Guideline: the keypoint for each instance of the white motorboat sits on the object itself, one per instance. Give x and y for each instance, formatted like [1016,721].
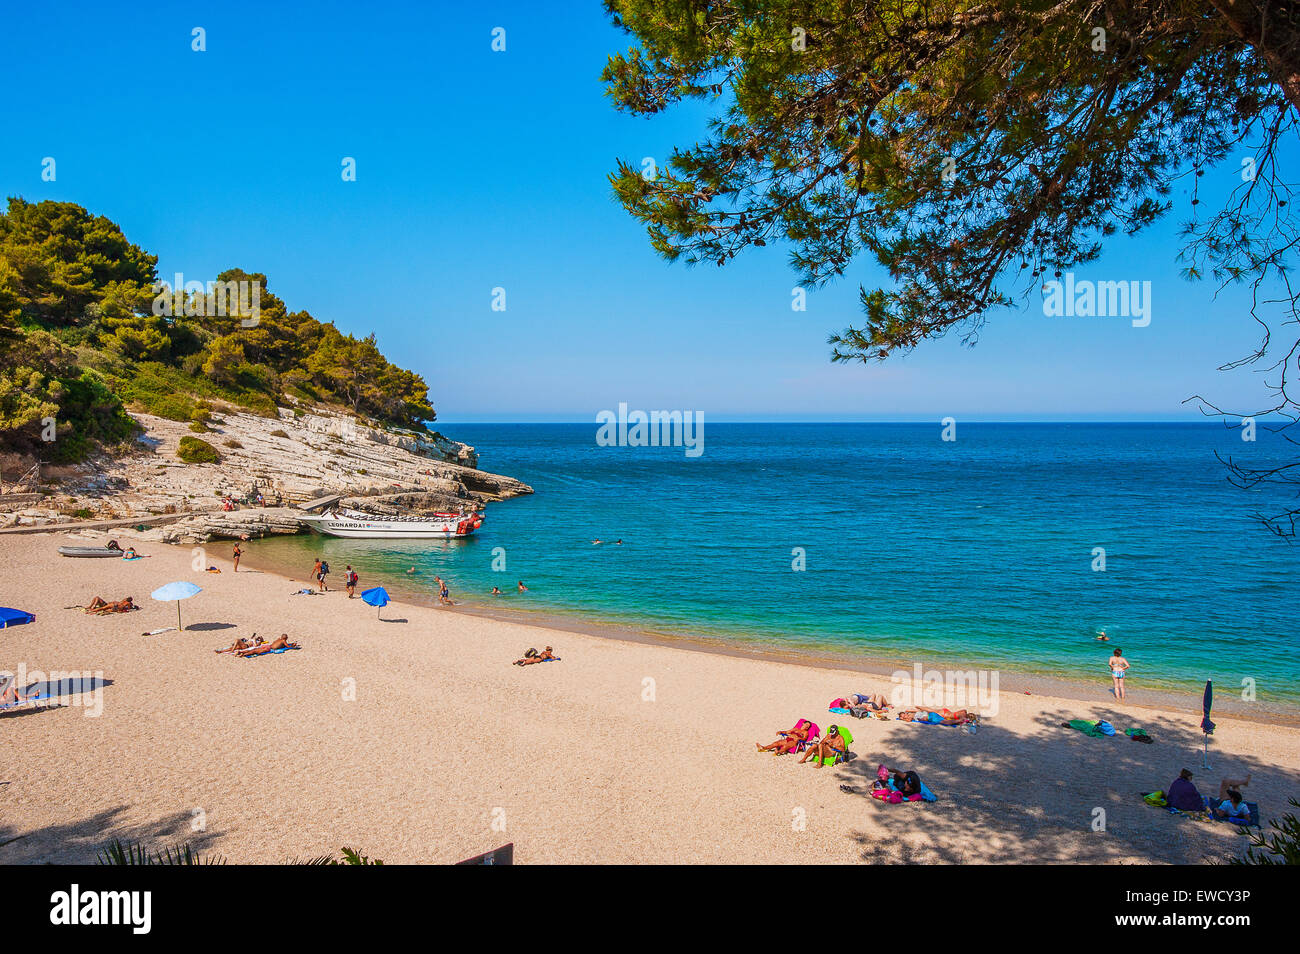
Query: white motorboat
[352,523]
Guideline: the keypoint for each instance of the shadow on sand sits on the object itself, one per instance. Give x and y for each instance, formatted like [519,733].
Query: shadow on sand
[1077,782]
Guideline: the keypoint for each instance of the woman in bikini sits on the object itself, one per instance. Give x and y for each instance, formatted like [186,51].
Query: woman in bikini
[281,643]
[790,739]
[546,655]
[102,607]
[242,643]
[938,717]
[1118,666]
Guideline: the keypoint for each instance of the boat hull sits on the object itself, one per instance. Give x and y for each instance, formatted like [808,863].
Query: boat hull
[92,552]
[389,529]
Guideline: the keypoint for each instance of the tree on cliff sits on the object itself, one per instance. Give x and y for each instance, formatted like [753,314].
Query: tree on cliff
[80,333]
[974,149]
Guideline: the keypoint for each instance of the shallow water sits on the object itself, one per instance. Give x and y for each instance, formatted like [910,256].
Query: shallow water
[979,550]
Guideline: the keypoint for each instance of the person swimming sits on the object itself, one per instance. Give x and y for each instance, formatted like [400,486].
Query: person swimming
[522,588]
[496,591]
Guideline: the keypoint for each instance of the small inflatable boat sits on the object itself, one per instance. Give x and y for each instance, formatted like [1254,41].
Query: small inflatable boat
[90,552]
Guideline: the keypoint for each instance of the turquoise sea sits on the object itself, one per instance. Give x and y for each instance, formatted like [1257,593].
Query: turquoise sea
[979,550]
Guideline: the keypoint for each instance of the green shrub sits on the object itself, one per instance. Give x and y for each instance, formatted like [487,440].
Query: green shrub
[198,427]
[1279,846]
[196,451]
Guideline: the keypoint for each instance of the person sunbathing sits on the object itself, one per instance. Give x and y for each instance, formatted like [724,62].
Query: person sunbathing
[937,717]
[1231,804]
[101,607]
[906,784]
[533,656]
[242,643]
[876,701]
[282,642]
[10,696]
[1233,807]
[789,741]
[829,747]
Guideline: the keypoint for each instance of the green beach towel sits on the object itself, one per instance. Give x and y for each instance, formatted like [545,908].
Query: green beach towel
[1086,727]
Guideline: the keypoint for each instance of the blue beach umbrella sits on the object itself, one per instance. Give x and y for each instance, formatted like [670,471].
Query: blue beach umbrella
[375,596]
[14,617]
[1207,727]
[180,590]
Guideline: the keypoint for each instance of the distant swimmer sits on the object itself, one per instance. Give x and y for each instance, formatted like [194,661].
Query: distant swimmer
[618,542]
[410,571]
[1103,637]
[496,591]
[596,542]
[522,588]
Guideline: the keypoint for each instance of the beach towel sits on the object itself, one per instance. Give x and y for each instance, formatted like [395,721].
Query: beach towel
[839,710]
[1084,726]
[36,697]
[271,652]
[1099,729]
[1251,821]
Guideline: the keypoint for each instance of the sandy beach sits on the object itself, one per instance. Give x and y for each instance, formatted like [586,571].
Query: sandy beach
[413,739]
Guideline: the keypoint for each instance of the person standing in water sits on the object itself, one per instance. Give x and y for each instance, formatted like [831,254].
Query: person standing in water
[1118,665]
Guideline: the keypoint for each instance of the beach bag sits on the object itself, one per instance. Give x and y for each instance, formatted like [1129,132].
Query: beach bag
[1105,728]
[1155,798]
[324,567]
[859,712]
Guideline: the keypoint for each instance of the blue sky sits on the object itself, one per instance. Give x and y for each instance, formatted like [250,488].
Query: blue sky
[477,170]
